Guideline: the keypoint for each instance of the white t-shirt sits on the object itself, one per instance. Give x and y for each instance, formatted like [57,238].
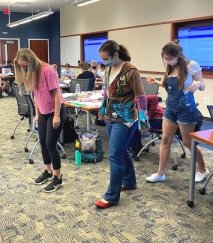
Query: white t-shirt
[193,68]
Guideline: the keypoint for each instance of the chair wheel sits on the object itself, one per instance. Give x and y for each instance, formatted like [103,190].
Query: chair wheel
[183,156]
[28,130]
[64,156]
[26,149]
[146,150]
[136,158]
[153,143]
[202,191]
[190,203]
[31,161]
[174,167]
[12,137]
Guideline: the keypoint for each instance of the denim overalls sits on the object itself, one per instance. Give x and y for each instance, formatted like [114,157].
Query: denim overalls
[180,104]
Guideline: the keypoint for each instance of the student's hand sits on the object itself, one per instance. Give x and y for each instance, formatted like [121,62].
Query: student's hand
[56,121]
[150,80]
[36,120]
[194,86]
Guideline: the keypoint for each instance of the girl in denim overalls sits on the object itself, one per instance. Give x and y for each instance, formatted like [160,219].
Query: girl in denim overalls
[181,80]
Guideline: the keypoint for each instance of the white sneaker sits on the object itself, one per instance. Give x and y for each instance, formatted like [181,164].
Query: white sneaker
[156,178]
[200,177]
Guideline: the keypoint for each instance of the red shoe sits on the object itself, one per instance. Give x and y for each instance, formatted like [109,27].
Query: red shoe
[103,205]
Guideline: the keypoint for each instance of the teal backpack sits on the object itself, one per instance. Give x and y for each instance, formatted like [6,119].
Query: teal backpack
[91,147]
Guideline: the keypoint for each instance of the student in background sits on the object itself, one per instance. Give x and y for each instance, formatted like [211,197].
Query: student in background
[39,77]
[86,74]
[4,86]
[93,68]
[182,79]
[67,72]
[101,71]
[123,91]
[55,67]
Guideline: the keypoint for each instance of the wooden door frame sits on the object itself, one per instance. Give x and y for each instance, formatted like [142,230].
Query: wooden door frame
[48,44]
[11,39]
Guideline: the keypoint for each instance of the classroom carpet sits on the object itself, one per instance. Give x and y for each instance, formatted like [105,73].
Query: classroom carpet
[152,213]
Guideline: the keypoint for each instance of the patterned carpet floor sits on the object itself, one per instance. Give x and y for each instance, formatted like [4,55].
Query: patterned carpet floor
[151,213]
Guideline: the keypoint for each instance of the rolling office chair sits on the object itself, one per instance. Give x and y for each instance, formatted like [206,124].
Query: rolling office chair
[23,109]
[85,85]
[31,106]
[202,190]
[155,131]
[155,113]
[150,89]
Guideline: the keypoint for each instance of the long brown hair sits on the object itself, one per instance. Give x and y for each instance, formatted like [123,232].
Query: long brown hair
[173,49]
[30,77]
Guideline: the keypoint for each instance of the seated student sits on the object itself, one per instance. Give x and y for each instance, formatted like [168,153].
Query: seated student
[7,78]
[93,68]
[67,73]
[4,86]
[86,74]
[55,67]
[155,111]
[101,71]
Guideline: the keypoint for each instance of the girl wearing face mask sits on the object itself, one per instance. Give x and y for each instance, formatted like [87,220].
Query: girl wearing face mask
[124,108]
[181,80]
[40,78]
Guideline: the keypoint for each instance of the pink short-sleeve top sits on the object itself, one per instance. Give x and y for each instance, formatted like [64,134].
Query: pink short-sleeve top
[48,82]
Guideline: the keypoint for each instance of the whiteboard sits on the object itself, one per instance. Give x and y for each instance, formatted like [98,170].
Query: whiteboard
[70,50]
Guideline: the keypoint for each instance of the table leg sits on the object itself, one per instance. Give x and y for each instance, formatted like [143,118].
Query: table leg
[88,121]
[190,201]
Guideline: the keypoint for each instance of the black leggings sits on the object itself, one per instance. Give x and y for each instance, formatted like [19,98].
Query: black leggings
[49,136]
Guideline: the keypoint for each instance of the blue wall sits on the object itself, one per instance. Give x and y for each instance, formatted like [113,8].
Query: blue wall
[46,28]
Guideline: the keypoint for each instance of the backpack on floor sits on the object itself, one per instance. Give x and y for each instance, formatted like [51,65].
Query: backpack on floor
[91,147]
[68,134]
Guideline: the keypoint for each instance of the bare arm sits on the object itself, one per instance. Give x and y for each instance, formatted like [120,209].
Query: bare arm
[197,83]
[151,80]
[36,111]
[57,100]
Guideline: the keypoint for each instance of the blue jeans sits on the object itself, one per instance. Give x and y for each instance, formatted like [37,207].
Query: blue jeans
[121,166]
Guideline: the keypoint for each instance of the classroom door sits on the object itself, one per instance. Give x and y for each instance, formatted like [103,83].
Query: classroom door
[8,49]
[41,48]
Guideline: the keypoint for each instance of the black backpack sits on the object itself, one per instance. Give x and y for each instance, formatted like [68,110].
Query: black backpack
[69,134]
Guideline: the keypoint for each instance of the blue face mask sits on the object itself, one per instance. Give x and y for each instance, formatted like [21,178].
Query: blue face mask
[108,63]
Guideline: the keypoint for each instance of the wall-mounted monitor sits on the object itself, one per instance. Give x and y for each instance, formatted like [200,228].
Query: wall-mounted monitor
[197,43]
[91,45]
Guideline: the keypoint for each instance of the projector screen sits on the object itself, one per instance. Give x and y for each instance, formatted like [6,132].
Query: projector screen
[197,43]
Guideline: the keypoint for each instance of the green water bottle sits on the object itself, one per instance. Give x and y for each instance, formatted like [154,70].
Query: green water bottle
[77,153]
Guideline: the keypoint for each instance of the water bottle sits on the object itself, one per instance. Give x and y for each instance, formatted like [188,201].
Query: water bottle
[77,88]
[77,153]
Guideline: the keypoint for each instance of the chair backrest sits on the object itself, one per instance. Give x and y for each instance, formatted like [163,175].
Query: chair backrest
[150,88]
[210,109]
[85,84]
[31,107]
[23,109]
